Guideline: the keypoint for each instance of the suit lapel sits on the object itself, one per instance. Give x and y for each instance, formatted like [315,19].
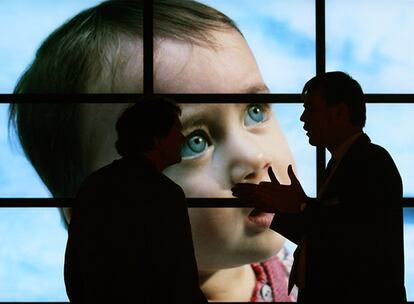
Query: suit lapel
[330,186]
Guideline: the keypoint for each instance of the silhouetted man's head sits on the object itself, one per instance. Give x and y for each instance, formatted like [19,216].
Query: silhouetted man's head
[338,87]
[151,125]
[334,108]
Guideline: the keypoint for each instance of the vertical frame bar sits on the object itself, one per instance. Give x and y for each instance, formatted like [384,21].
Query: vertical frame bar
[320,68]
[148,46]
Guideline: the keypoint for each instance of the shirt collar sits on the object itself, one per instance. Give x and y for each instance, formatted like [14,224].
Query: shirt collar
[339,153]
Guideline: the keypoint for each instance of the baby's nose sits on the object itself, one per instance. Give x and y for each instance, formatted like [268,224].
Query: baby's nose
[250,169]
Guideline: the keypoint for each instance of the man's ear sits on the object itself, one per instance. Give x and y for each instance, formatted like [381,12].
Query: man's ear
[157,143]
[341,111]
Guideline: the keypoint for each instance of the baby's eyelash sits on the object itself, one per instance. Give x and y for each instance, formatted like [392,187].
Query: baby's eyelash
[266,107]
[200,132]
[197,130]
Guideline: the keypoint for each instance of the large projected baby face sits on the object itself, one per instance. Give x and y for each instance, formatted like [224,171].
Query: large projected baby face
[226,144]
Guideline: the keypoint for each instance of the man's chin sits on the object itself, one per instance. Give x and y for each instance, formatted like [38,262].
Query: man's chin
[313,142]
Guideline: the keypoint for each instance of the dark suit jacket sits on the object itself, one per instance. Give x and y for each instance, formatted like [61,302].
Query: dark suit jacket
[130,239]
[354,232]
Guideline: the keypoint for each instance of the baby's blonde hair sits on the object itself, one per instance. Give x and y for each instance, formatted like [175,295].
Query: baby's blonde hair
[89,53]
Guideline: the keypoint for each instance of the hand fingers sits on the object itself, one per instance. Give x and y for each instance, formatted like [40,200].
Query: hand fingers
[247,196]
[261,197]
[243,187]
[272,175]
[243,190]
[265,183]
[265,202]
[292,176]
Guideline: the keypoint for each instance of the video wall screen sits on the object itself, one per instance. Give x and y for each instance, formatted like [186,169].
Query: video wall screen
[272,50]
[34,238]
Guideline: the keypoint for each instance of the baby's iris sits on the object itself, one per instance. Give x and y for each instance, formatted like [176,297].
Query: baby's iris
[194,145]
[255,115]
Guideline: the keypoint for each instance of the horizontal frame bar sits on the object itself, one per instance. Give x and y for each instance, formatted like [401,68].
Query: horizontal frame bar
[186,98]
[195,202]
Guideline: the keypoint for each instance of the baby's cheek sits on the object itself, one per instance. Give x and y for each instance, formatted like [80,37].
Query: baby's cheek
[196,182]
[216,226]
[199,186]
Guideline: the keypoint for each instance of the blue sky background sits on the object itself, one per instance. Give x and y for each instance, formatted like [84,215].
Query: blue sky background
[373,41]
[281,34]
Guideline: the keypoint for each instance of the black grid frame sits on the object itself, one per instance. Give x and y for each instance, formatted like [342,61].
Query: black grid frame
[407,202]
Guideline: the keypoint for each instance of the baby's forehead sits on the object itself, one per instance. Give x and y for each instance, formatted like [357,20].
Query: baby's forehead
[121,71]
[98,133]
[226,66]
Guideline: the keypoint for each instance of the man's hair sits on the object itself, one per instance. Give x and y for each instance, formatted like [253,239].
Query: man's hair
[81,53]
[142,123]
[338,87]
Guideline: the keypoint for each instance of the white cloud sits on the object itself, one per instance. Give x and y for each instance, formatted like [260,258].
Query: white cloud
[24,24]
[372,40]
[374,35]
[298,15]
[283,72]
[392,126]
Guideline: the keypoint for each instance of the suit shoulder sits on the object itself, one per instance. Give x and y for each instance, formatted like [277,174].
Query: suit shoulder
[378,157]
[375,152]
[172,185]
[98,183]
[378,149]
[372,150]
[370,158]
[99,176]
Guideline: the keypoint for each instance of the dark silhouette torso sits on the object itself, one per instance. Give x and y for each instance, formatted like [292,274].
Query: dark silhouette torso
[354,232]
[130,239]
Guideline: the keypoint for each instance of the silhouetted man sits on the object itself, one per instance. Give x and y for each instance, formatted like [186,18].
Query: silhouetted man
[351,236]
[130,236]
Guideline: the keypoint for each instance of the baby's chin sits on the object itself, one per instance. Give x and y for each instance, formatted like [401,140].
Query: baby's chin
[249,252]
[265,246]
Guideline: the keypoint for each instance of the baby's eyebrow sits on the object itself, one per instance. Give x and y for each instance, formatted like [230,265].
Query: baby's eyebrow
[195,118]
[255,89]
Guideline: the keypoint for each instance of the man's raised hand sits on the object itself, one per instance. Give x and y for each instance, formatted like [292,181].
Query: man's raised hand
[272,175]
[272,196]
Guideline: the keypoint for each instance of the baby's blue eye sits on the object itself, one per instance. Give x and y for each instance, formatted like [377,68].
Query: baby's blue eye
[254,115]
[194,145]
